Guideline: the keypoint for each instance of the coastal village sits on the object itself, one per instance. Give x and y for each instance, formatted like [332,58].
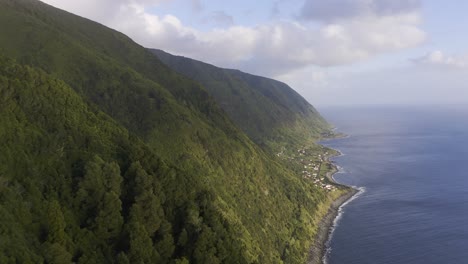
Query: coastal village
[314,165]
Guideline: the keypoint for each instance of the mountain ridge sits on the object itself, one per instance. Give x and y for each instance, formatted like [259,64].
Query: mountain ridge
[280,114]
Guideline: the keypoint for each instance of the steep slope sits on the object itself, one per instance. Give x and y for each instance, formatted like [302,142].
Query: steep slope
[82,102]
[173,114]
[268,111]
[77,186]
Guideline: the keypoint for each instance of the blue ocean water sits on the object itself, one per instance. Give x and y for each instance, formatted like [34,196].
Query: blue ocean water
[413,164]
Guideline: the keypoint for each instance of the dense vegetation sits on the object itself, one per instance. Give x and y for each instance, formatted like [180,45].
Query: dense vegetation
[269,111]
[109,156]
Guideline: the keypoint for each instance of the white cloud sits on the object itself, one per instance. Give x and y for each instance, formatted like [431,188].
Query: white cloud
[438,58]
[277,47]
[273,48]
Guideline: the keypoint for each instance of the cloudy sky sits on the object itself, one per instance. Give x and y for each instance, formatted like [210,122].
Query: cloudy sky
[330,51]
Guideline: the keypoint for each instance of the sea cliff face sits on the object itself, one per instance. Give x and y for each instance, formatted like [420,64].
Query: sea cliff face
[270,112]
[110,156]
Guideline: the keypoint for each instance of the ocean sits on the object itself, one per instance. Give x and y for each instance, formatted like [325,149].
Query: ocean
[412,163]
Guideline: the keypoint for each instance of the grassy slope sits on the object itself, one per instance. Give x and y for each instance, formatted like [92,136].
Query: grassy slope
[264,207]
[269,111]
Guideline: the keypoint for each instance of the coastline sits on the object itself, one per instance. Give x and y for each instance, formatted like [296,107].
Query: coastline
[319,246]
[318,249]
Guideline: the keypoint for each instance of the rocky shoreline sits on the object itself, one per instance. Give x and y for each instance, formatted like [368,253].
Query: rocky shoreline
[318,248]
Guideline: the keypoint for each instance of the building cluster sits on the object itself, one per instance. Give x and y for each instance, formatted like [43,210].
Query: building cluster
[311,166]
[313,175]
[311,169]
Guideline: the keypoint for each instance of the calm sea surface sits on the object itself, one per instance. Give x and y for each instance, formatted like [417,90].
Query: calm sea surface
[413,164]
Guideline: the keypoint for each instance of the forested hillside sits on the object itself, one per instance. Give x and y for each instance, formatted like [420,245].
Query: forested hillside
[109,156]
[269,111]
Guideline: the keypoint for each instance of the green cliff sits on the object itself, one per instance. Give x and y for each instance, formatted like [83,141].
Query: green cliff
[109,156]
[268,111]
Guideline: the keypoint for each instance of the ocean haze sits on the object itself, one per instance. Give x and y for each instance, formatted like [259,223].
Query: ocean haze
[412,163]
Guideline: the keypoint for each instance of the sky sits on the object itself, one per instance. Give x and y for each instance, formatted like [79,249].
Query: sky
[333,52]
